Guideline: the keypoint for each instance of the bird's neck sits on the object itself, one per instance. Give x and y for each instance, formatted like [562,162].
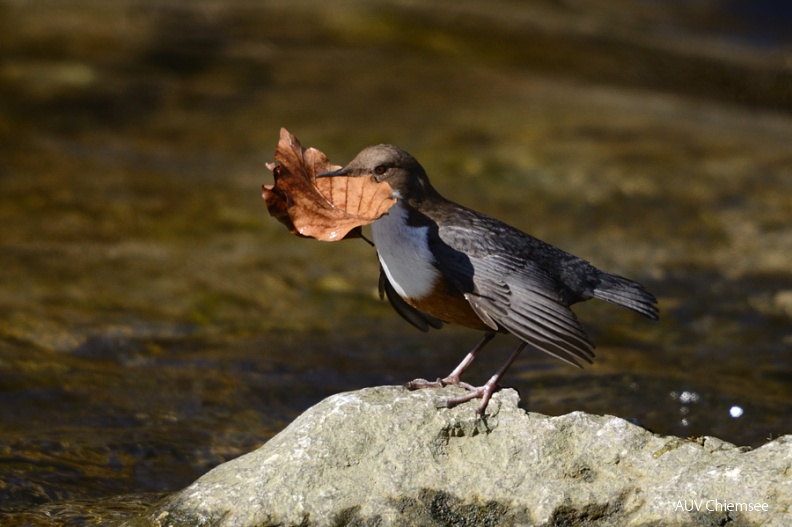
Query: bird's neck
[417,193]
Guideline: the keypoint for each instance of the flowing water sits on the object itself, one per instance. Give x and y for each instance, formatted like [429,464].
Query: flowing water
[155,321]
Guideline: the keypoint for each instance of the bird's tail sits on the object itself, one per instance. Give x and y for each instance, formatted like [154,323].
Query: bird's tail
[626,293]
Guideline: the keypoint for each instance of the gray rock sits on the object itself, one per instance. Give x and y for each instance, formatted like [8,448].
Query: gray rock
[387,457]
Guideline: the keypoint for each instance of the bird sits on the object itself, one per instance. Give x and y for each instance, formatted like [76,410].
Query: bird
[441,262]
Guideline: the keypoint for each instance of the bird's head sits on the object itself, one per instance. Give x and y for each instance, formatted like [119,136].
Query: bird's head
[391,164]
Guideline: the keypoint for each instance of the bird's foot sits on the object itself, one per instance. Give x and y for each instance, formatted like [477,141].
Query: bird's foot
[474,392]
[420,384]
[453,378]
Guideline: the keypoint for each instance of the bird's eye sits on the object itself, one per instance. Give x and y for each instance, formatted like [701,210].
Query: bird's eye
[380,169]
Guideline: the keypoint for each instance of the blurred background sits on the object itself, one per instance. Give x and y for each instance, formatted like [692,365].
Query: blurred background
[155,321]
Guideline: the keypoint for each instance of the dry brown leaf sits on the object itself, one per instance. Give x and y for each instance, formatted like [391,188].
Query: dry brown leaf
[328,208]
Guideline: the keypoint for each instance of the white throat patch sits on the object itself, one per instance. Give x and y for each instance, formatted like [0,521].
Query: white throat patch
[404,253]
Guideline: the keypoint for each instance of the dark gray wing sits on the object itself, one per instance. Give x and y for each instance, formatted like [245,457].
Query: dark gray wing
[417,318]
[511,292]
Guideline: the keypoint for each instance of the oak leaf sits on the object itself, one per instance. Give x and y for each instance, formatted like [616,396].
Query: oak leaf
[329,208]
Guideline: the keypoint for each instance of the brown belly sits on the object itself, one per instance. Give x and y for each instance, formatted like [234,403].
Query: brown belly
[449,305]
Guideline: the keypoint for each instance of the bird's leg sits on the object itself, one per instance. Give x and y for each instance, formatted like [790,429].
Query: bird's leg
[484,392]
[453,377]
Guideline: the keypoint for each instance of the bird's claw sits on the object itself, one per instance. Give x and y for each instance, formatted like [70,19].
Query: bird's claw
[420,384]
[483,392]
[474,392]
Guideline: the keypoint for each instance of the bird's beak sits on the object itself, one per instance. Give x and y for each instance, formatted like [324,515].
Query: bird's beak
[339,172]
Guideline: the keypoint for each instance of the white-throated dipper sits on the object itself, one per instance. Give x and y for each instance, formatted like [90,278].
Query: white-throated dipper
[442,262]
